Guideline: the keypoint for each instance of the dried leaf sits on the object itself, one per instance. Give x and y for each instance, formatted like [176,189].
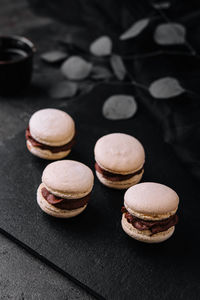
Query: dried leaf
[99,73]
[118,66]
[135,29]
[170,34]
[119,107]
[101,46]
[164,88]
[64,89]
[76,68]
[161,5]
[54,56]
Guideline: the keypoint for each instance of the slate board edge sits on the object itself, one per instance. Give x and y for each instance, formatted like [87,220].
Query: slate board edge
[52,265]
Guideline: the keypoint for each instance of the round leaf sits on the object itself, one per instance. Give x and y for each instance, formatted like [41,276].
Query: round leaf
[135,29]
[54,56]
[101,46]
[118,66]
[164,88]
[64,89]
[170,34]
[161,5]
[119,107]
[76,68]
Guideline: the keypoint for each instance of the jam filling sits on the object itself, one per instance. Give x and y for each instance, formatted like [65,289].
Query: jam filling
[153,226]
[53,149]
[64,203]
[116,177]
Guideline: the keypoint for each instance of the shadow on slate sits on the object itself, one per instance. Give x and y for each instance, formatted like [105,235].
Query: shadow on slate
[92,247]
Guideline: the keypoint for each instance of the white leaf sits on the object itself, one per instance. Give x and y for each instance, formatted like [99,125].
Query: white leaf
[100,72]
[64,89]
[54,56]
[76,68]
[164,88]
[118,66]
[135,29]
[101,46]
[119,107]
[170,34]
[161,5]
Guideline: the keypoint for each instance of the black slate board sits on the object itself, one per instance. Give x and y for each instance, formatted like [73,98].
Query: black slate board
[92,247]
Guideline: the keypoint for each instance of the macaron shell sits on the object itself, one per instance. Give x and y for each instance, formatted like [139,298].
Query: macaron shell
[54,211]
[151,217]
[46,154]
[119,184]
[141,236]
[52,127]
[151,199]
[119,153]
[68,179]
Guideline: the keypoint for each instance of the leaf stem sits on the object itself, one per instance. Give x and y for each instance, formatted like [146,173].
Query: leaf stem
[137,84]
[155,53]
[192,93]
[192,15]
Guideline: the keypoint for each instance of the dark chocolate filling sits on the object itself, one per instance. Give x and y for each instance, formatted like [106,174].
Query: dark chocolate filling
[116,177]
[53,149]
[64,203]
[153,226]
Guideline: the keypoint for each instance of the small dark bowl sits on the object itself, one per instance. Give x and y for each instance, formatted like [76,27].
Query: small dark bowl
[16,64]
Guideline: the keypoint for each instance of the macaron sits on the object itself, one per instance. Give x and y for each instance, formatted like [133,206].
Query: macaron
[149,212]
[65,189]
[119,160]
[50,134]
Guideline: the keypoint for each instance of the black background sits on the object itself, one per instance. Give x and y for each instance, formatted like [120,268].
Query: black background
[92,247]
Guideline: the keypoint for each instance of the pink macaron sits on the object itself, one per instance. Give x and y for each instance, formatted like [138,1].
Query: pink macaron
[65,189]
[119,160]
[149,212]
[50,134]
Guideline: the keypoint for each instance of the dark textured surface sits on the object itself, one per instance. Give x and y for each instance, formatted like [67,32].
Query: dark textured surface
[22,277]
[92,247]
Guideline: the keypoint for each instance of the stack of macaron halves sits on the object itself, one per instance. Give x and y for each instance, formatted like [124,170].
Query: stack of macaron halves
[50,134]
[65,189]
[149,212]
[119,160]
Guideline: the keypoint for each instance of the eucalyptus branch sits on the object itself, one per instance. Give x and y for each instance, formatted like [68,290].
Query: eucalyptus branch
[155,53]
[131,82]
